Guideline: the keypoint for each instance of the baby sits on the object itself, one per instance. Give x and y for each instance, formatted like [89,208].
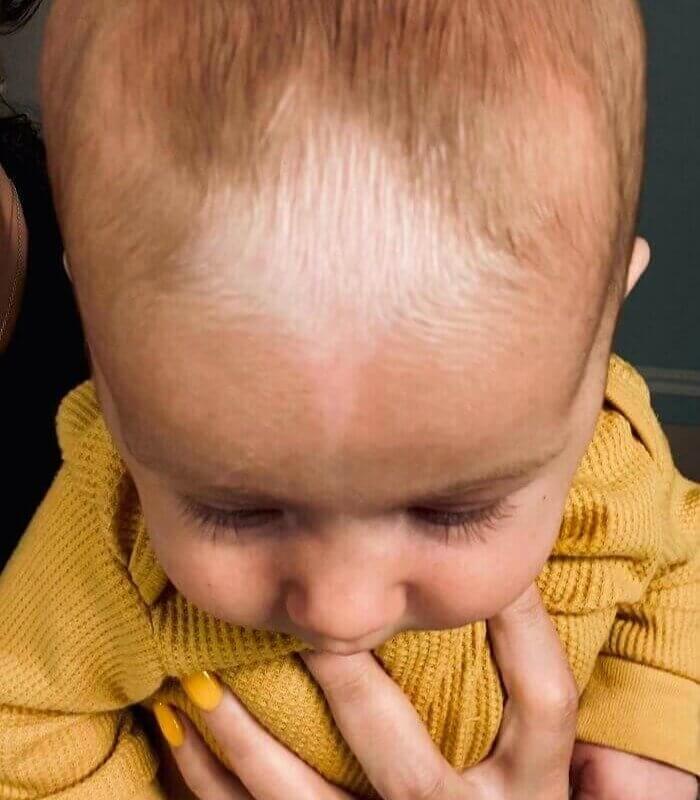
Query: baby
[349,272]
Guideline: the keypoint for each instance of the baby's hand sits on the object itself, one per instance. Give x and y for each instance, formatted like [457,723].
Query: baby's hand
[601,773]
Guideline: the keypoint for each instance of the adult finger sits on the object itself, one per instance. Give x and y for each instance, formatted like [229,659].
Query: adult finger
[382,728]
[204,774]
[537,734]
[264,765]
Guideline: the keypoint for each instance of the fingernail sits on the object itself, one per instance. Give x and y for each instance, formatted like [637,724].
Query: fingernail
[203,690]
[169,724]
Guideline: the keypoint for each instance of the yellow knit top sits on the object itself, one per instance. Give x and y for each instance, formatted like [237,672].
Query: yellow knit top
[90,626]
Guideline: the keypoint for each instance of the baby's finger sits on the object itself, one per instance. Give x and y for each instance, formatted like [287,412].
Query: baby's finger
[205,775]
[264,765]
[539,722]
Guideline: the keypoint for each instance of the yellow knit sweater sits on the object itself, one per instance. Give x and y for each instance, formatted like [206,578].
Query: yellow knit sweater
[90,626]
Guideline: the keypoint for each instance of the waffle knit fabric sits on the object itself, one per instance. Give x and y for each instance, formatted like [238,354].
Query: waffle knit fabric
[90,626]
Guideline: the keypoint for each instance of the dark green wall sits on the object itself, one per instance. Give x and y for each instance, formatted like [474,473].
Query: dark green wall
[660,324]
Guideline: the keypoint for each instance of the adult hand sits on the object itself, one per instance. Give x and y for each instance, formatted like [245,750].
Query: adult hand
[601,772]
[13,253]
[530,759]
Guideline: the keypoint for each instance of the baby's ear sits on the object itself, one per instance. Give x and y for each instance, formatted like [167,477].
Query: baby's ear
[638,264]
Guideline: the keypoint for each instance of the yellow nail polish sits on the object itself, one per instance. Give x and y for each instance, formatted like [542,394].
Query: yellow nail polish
[203,690]
[169,724]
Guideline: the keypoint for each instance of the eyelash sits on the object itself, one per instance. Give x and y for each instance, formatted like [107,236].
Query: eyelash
[462,526]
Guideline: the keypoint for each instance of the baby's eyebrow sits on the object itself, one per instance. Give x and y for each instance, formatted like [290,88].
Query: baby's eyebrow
[504,472]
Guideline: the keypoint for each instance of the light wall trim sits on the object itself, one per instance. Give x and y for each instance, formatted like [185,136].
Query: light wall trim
[672,382]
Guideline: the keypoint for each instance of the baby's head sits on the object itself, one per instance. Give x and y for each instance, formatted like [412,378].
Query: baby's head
[349,272]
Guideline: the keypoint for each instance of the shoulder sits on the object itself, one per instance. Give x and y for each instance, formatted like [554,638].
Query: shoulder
[95,469]
[97,472]
[628,393]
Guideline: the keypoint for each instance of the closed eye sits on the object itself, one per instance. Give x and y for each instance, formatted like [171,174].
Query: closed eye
[469,525]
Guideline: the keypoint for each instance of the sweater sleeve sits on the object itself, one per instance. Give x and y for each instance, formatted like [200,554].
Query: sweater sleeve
[644,694]
[76,650]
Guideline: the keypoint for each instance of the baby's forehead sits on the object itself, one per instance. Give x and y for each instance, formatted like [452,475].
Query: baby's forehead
[338,299]
[252,402]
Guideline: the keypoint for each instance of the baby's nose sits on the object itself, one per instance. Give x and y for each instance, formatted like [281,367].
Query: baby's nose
[346,613]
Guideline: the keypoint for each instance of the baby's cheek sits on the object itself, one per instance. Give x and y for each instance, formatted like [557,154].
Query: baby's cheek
[226,581]
[491,581]
[475,580]
[230,584]
[219,577]
[520,550]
